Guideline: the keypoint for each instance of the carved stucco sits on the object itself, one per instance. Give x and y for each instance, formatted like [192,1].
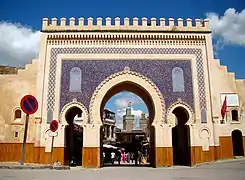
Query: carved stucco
[135,78]
[182,104]
[71,105]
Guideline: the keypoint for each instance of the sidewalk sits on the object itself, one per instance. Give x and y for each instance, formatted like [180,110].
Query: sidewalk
[221,161]
[17,165]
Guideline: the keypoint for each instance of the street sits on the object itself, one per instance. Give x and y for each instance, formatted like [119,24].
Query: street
[230,170]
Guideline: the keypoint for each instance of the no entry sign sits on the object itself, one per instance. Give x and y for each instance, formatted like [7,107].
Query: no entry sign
[53,125]
[29,104]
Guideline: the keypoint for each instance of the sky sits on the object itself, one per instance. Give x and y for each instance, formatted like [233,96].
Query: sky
[20,22]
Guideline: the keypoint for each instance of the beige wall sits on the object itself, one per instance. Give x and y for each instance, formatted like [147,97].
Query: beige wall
[34,80]
[12,89]
[223,81]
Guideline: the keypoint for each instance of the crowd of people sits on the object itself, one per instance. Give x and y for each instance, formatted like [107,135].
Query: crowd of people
[120,156]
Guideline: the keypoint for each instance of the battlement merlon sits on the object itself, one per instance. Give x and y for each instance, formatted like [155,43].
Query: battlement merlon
[153,25]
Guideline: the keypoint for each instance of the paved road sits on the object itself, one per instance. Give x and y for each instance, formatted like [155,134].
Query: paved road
[234,170]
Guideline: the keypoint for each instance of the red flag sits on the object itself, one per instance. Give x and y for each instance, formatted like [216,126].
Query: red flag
[223,109]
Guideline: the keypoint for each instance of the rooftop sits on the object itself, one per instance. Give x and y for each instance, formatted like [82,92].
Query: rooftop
[9,70]
[127,24]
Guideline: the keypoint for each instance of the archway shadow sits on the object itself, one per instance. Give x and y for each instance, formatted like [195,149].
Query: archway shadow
[181,138]
[73,139]
[237,142]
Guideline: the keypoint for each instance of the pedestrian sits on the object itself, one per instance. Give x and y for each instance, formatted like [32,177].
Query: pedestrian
[140,156]
[132,157]
[124,157]
[128,157]
[119,157]
[103,158]
[112,157]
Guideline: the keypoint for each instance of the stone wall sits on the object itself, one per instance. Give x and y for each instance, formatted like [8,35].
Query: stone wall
[12,88]
[223,81]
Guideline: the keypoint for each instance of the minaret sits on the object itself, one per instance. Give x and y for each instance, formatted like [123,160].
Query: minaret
[128,119]
[143,122]
[129,109]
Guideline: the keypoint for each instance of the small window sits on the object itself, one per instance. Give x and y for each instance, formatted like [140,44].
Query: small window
[178,80]
[17,114]
[203,116]
[234,115]
[75,79]
[16,134]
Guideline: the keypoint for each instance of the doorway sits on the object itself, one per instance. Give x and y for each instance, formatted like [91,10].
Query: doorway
[237,142]
[135,138]
[73,138]
[181,138]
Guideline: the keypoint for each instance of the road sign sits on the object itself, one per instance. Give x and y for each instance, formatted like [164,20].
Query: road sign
[53,134]
[53,125]
[29,104]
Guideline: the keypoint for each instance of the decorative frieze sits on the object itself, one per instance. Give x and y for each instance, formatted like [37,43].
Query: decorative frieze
[137,24]
[125,38]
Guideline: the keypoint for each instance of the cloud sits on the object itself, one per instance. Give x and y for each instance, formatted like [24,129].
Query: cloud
[122,100]
[18,44]
[228,29]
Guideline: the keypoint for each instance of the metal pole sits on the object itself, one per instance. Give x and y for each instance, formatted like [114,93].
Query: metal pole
[24,140]
[51,153]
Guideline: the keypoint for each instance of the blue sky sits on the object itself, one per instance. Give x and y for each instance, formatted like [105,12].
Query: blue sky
[21,22]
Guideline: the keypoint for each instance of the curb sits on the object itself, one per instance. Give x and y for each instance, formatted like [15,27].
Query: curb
[21,167]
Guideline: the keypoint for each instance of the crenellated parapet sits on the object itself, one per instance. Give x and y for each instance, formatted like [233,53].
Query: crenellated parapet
[127,24]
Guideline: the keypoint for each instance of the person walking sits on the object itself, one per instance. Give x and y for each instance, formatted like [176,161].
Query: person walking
[113,157]
[128,157]
[140,156]
[124,157]
[132,157]
[119,157]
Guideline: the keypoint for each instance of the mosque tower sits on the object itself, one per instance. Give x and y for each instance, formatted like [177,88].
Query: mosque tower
[143,122]
[128,119]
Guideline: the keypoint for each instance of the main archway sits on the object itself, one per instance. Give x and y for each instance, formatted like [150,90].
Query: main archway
[137,84]
[136,143]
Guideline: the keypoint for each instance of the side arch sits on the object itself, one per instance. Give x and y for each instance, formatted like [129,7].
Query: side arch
[69,106]
[127,76]
[237,142]
[180,103]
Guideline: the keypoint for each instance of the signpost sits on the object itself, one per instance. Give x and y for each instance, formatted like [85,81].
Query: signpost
[53,133]
[29,105]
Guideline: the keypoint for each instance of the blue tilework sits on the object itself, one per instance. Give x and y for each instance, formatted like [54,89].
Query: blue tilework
[154,76]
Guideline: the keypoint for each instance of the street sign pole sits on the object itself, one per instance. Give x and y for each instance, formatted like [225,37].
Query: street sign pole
[51,152]
[53,126]
[29,105]
[24,140]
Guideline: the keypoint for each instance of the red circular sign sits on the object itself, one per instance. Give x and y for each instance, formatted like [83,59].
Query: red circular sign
[29,104]
[53,125]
